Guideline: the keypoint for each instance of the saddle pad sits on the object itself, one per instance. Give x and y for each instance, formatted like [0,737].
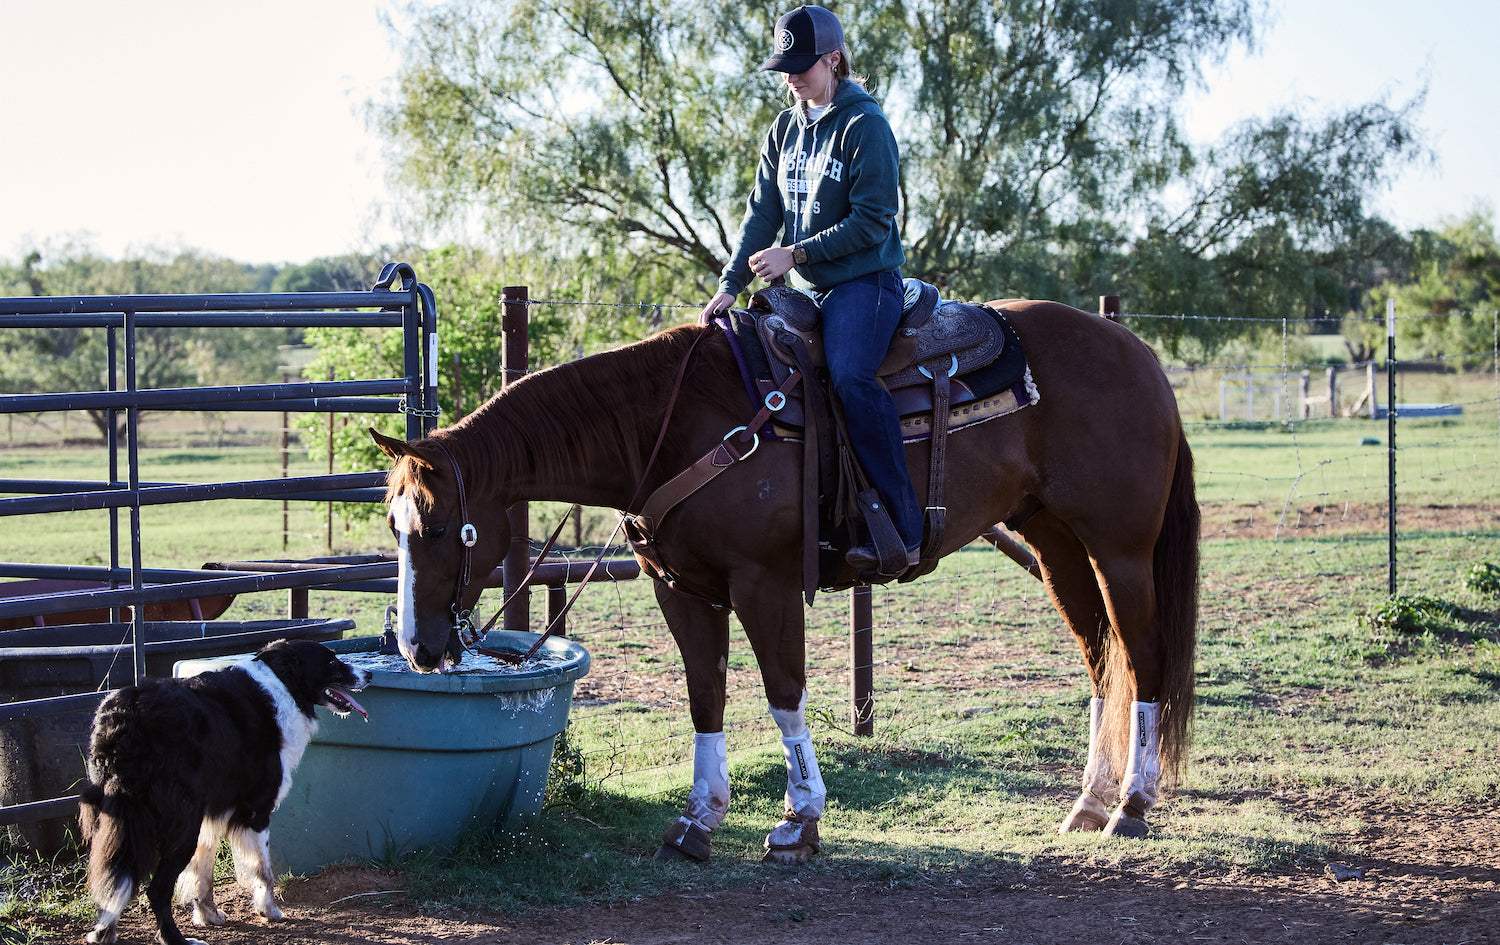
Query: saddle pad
[1001,387]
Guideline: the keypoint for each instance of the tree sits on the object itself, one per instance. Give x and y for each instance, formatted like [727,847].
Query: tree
[75,359]
[1447,307]
[1041,149]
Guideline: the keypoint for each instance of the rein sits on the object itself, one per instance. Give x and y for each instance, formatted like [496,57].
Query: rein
[463,626]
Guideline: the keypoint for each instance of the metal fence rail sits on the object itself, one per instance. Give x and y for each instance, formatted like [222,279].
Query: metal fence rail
[397,301]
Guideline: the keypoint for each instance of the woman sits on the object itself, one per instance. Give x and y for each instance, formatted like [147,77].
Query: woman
[827,188]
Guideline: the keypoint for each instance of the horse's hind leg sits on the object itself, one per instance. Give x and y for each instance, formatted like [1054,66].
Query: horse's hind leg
[1071,584]
[1126,581]
[702,635]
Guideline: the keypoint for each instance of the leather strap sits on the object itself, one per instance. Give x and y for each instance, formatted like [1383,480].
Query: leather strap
[671,493]
[936,514]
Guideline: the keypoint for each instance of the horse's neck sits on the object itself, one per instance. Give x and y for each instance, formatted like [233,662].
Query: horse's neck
[582,432]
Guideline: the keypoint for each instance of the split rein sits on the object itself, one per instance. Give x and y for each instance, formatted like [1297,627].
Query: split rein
[470,638]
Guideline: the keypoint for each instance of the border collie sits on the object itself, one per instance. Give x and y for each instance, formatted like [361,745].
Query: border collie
[174,764]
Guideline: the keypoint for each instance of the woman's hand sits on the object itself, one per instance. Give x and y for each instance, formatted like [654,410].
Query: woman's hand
[772,263]
[715,305]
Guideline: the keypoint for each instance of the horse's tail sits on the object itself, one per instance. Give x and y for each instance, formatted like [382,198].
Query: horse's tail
[1175,567]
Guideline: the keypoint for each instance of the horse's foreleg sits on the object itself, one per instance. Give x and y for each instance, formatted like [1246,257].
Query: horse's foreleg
[1071,584]
[771,611]
[702,635]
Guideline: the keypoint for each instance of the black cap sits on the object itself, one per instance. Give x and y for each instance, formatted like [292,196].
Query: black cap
[802,36]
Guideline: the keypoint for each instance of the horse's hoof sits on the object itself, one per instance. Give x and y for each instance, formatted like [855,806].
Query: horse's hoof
[1082,821]
[792,842]
[794,856]
[685,840]
[1122,824]
[671,854]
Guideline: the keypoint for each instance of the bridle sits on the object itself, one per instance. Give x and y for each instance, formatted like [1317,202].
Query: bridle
[470,638]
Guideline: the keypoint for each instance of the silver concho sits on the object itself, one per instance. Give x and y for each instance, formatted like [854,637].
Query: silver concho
[784,40]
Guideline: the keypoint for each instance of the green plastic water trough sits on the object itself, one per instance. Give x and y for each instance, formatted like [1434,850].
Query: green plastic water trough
[441,753]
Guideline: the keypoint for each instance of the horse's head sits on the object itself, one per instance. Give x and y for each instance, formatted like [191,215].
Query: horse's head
[433,539]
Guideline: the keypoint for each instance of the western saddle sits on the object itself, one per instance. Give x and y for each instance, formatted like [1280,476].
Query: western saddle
[778,343]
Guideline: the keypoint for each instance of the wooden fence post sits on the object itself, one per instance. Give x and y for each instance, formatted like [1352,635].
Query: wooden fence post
[861,660]
[515,355]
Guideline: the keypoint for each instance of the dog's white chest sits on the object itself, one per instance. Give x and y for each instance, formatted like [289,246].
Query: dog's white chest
[296,729]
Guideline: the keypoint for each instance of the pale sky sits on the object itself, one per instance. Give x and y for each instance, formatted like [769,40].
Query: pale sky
[238,128]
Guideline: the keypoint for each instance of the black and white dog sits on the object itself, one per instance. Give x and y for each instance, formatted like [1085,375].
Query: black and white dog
[174,764]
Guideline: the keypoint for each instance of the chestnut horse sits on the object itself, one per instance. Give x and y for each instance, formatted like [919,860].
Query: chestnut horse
[1100,463]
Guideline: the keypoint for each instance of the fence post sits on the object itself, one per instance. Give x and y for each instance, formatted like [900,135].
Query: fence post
[1370,389]
[1304,392]
[1109,307]
[557,599]
[1390,437]
[514,318]
[1333,392]
[861,660]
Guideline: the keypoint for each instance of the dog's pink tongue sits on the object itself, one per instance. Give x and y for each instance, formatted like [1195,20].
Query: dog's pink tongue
[354,704]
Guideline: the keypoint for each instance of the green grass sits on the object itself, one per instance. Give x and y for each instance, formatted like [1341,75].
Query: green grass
[1308,695]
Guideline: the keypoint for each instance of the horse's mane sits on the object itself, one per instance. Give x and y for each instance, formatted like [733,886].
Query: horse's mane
[605,407]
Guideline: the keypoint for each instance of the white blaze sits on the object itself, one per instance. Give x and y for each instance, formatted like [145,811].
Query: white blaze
[404,520]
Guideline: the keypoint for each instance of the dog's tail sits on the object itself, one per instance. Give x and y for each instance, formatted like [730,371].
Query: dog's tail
[118,832]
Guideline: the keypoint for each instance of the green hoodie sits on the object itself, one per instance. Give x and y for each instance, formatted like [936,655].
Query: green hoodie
[831,186]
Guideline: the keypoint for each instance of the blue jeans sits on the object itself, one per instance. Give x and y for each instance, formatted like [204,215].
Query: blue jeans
[860,318]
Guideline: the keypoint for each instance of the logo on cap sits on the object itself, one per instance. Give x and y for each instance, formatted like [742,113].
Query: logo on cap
[784,40]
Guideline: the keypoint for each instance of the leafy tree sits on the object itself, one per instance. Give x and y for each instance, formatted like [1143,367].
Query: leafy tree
[467,284]
[1041,147]
[1455,276]
[75,359]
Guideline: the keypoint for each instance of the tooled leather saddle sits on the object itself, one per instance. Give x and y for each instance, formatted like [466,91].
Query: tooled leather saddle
[950,365]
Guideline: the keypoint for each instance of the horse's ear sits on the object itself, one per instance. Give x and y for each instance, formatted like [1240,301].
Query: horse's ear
[389,445]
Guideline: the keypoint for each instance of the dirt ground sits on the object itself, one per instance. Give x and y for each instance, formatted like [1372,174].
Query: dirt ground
[1429,876]
[1258,520]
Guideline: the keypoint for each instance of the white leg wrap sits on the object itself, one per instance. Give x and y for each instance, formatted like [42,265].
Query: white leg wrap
[708,801]
[1099,784]
[1142,778]
[805,792]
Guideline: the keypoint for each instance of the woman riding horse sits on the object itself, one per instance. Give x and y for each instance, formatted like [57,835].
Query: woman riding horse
[1096,476]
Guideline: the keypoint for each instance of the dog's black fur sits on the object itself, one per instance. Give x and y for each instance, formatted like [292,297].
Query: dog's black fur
[170,754]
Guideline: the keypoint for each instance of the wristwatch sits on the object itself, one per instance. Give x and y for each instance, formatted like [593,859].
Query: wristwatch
[799,255]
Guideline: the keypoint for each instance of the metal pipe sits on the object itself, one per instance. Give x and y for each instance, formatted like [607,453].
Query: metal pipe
[210,320]
[112,438]
[196,398]
[210,302]
[54,705]
[43,604]
[133,460]
[196,492]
